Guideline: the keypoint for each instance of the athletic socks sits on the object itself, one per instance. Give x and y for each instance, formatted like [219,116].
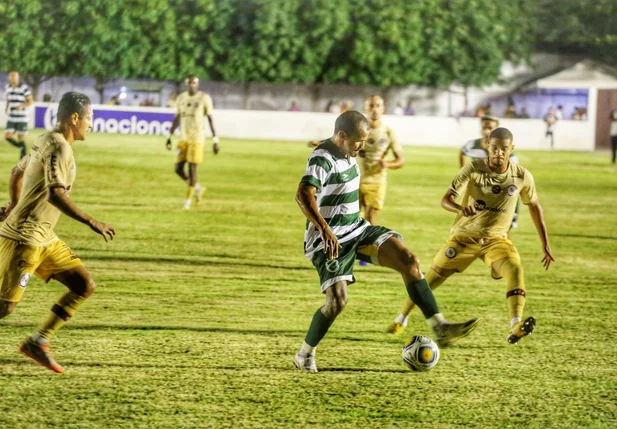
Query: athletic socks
[422,295]
[62,311]
[318,329]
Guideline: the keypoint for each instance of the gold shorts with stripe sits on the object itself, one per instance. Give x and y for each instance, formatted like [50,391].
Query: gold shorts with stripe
[18,262]
[188,151]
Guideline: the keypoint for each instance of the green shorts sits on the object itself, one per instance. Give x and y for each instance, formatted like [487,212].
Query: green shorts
[363,247]
[16,127]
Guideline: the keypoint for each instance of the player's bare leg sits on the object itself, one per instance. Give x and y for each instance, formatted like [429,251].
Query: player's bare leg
[6,308]
[81,286]
[20,144]
[336,300]
[198,190]
[370,214]
[435,278]
[393,254]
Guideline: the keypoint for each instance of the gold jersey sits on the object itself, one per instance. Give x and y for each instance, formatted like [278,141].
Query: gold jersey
[49,165]
[493,195]
[192,110]
[380,142]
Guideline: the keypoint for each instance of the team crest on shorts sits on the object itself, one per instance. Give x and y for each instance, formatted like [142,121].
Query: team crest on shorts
[24,279]
[512,190]
[332,265]
[451,253]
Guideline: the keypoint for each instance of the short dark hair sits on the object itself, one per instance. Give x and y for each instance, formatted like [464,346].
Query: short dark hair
[191,77]
[489,118]
[350,122]
[502,133]
[72,102]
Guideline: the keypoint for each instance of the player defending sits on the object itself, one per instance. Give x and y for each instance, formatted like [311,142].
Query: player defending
[490,186]
[372,160]
[39,189]
[18,99]
[192,106]
[478,149]
[336,235]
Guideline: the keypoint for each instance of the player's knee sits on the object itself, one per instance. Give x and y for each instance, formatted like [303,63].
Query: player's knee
[84,287]
[335,305]
[511,268]
[179,169]
[411,265]
[6,308]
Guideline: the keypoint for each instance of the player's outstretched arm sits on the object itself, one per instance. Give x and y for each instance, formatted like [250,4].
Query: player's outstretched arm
[535,209]
[215,138]
[172,130]
[15,180]
[59,199]
[305,197]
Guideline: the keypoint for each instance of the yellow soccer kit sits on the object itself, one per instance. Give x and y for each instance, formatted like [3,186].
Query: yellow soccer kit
[483,235]
[192,110]
[28,244]
[373,179]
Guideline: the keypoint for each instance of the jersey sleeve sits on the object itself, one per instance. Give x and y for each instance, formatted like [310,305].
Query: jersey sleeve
[467,147]
[317,171]
[27,92]
[395,144]
[462,178]
[208,106]
[57,164]
[23,163]
[528,193]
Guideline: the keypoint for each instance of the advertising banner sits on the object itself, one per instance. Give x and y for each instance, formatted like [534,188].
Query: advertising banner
[113,120]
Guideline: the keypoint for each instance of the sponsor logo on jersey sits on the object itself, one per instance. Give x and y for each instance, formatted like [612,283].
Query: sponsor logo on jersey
[481,205]
[512,190]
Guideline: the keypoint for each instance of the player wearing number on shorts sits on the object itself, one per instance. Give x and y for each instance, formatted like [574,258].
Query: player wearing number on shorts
[490,188]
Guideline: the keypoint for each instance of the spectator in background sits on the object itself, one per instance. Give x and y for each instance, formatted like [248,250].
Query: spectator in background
[559,113]
[510,111]
[135,100]
[46,98]
[398,110]
[583,113]
[551,121]
[576,116]
[334,107]
[480,112]
[294,107]
[409,109]
[523,114]
[613,119]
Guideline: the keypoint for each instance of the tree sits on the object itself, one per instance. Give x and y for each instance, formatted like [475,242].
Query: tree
[32,40]
[580,27]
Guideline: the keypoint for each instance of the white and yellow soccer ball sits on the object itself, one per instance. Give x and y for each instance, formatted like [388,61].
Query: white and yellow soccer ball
[420,353]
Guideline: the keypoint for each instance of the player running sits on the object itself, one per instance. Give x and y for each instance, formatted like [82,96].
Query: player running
[490,187]
[336,235]
[18,99]
[478,149]
[39,188]
[192,106]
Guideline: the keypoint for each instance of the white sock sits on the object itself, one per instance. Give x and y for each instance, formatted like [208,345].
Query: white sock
[187,203]
[400,319]
[306,350]
[514,320]
[197,187]
[435,319]
[36,338]
[406,321]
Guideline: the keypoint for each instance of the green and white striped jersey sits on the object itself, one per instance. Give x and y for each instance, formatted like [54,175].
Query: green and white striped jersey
[16,97]
[337,180]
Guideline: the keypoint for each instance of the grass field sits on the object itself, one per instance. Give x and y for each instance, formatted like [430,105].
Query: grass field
[198,314]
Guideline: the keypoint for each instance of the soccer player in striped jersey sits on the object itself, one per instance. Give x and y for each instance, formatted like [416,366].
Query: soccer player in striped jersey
[193,106]
[336,236]
[490,188]
[18,99]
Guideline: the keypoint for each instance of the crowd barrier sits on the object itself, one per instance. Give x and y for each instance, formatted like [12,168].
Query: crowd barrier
[529,134]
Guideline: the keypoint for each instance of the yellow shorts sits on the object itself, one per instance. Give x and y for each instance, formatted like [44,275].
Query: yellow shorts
[192,152]
[459,252]
[19,261]
[373,195]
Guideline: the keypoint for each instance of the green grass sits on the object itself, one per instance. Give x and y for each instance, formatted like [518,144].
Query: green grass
[198,314]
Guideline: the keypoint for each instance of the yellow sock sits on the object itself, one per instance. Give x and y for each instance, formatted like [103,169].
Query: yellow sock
[62,311]
[190,192]
[434,280]
[512,271]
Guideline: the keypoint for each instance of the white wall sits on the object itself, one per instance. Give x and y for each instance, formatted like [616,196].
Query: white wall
[412,130]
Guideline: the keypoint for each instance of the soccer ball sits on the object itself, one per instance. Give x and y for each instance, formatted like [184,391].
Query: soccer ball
[420,353]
